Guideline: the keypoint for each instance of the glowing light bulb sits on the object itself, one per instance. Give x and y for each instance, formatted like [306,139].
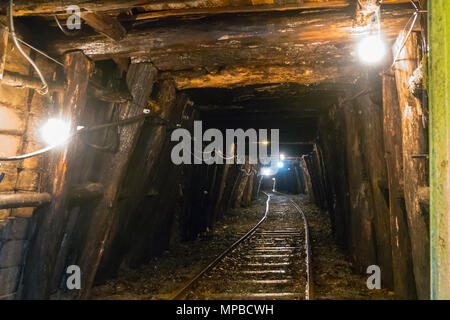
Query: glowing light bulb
[265,142]
[372,49]
[266,171]
[280,164]
[55,132]
[282,157]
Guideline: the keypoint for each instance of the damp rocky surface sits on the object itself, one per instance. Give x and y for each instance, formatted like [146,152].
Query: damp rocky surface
[161,278]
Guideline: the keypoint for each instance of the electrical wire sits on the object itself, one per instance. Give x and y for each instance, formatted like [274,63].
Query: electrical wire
[42,53]
[397,54]
[44,90]
[159,121]
[67,33]
[415,16]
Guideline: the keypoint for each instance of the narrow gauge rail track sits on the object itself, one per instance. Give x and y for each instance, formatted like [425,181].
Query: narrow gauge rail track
[271,261]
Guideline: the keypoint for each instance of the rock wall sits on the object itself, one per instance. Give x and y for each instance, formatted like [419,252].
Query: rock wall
[22,112]
[369,182]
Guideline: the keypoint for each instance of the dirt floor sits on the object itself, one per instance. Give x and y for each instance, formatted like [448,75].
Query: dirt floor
[333,274]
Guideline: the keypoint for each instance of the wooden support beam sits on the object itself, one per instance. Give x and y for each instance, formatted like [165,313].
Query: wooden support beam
[264,35]
[300,5]
[4,32]
[404,286]
[108,94]
[251,49]
[415,142]
[140,79]
[105,25]
[42,256]
[370,128]
[80,194]
[49,7]
[365,11]
[24,200]
[239,76]
[20,81]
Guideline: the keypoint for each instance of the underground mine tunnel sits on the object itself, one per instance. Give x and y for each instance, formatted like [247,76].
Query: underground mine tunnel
[94,99]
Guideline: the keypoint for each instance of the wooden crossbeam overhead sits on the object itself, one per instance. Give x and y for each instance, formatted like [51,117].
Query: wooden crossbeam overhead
[231,51]
[105,25]
[233,77]
[176,7]
[225,36]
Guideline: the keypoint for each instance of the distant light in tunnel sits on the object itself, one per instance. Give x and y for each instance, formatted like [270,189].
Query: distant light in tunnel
[55,132]
[371,49]
[280,164]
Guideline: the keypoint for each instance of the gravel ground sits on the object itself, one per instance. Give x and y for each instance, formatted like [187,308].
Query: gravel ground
[159,279]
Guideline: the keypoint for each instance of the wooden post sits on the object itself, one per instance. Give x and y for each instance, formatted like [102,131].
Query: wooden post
[4,32]
[41,260]
[105,24]
[140,79]
[415,141]
[370,124]
[242,184]
[404,286]
[24,200]
[18,80]
[151,186]
[439,80]
[361,239]
[308,183]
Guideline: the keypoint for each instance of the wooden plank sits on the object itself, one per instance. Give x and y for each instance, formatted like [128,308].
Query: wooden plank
[153,232]
[404,286]
[239,76]
[18,80]
[87,192]
[240,9]
[308,182]
[41,260]
[370,124]
[105,25]
[4,33]
[49,7]
[361,233]
[24,200]
[439,90]
[140,80]
[214,36]
[414,131]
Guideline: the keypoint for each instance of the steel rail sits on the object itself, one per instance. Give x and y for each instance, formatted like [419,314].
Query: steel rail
[309,292]
[194,280]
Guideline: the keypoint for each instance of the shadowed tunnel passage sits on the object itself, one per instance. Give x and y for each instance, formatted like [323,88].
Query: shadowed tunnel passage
[342,81]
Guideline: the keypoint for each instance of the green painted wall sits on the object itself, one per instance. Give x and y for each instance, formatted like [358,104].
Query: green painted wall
[439,85]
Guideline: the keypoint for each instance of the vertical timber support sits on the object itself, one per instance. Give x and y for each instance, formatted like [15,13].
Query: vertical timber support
[140,79]
[404,285]
[439,88]
[361,241]
[370,114]
[4,32]
[415,142]
[49,234]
